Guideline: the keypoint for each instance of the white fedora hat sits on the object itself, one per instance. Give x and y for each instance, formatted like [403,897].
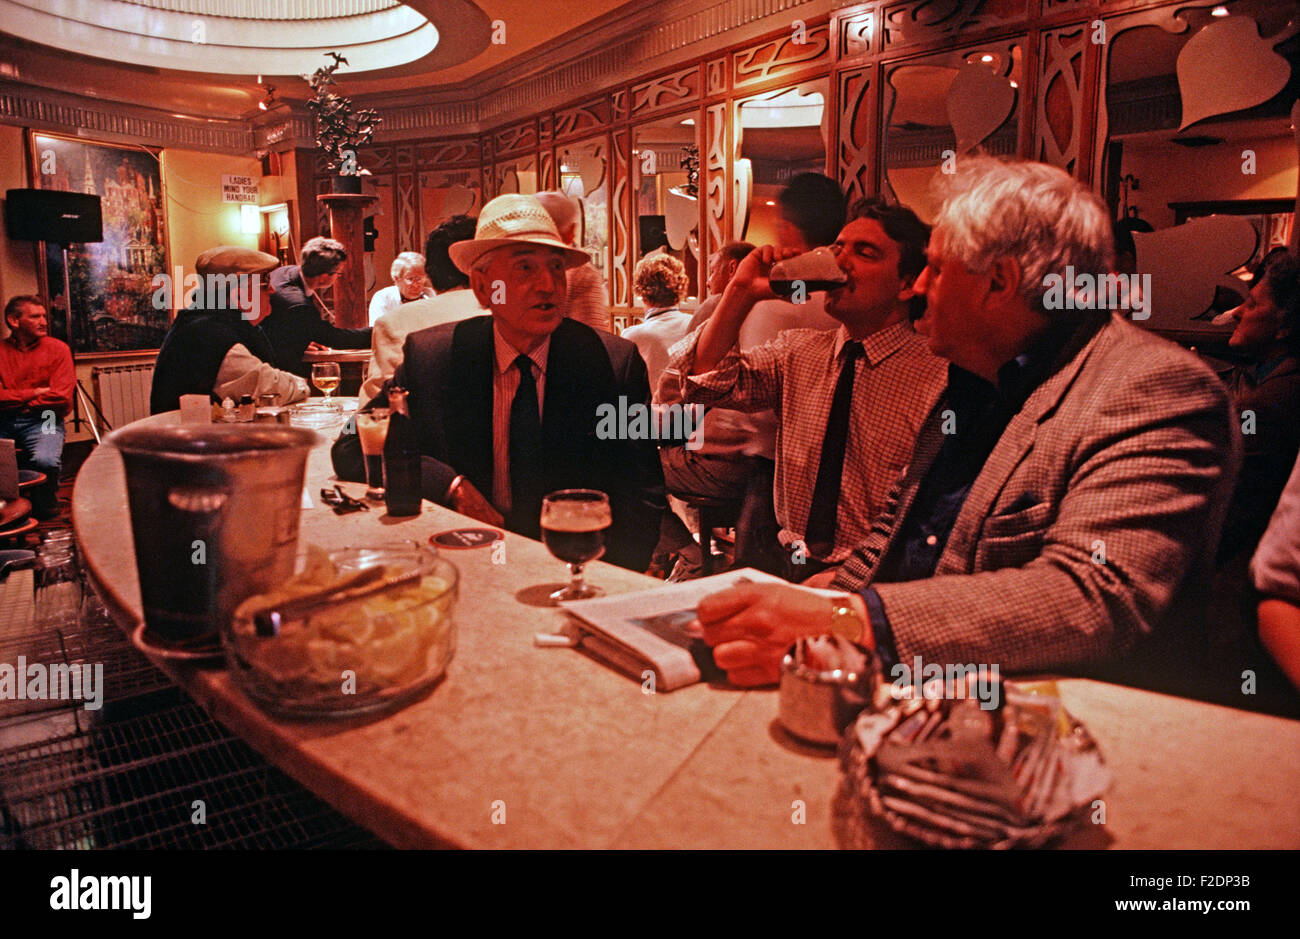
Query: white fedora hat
[513,219]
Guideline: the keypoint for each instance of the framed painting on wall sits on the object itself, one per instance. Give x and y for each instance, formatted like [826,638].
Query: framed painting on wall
[111,308]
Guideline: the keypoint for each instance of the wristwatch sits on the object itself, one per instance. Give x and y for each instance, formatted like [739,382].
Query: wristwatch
[845,621]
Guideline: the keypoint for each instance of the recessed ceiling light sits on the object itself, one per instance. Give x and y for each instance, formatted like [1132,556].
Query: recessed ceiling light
[1219,11]
[986,58]
[689,122]
[769,202]
[231,37]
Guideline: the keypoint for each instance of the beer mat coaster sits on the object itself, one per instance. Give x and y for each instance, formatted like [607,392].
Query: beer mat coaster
[205,653]
[458,539]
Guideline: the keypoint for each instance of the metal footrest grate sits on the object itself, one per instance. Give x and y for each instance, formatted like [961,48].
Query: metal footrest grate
[137,782]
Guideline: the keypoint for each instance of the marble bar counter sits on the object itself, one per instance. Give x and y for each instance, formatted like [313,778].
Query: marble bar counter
[527,747]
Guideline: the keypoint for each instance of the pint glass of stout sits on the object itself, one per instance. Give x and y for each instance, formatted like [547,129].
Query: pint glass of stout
[807,273]
[573,529]
[787,288]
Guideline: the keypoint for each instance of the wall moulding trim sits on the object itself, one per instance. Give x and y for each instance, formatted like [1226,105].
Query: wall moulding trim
[51,110]
[631,50]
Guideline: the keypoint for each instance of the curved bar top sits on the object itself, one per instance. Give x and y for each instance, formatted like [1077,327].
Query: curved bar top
[527,747]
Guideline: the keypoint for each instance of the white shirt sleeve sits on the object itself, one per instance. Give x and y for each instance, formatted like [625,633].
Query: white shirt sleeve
[243,373]
[1276,565]
[383,301]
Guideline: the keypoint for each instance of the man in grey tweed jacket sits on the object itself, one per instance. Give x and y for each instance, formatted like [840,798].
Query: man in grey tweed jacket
[1075,536]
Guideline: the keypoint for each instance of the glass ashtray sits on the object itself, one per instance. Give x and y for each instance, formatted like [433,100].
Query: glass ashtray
[342,658]
[316,414]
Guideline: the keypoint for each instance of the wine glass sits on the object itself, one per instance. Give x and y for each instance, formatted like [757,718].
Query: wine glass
[325,376]
[372,428]
[573,529]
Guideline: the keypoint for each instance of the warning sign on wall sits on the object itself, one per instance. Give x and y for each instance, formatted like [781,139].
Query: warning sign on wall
[238,189]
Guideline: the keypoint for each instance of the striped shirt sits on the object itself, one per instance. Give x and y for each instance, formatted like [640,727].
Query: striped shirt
[896,383]
[505,382]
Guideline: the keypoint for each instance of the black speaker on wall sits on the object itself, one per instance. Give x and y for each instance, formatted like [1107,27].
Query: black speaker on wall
[49,215]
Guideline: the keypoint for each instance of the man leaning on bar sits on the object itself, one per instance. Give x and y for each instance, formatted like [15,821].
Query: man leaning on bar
[507,405]
[1065,495]
[214,347]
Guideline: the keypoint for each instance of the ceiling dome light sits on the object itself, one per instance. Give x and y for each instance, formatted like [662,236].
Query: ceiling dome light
[228,37]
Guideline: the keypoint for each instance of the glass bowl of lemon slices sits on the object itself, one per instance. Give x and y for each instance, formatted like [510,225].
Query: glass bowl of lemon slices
[357,631]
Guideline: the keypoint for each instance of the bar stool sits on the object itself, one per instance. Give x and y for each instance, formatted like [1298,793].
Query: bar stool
[28,479]
[714,513]
[15,520]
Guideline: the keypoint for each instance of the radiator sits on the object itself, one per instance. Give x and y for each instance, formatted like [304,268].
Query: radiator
[122,392]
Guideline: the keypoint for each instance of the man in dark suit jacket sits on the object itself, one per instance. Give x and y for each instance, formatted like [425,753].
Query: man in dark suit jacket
[468,393]
[298,318]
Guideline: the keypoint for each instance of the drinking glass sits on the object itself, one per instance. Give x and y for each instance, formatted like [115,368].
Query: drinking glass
[372,428]
[325,376]
[573,529]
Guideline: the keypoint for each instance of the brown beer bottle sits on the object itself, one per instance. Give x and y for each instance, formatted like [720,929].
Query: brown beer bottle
[401,458]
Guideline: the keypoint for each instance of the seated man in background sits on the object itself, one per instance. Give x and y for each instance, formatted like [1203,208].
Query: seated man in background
[508,407]
[588,300]
[722,267]
[213,347]
[850,401]
[453,302]
[1065,494]
[1266,392]
[407,272]
[299,319]
[37,382]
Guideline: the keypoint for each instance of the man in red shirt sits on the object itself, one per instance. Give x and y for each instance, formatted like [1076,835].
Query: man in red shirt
[36,388]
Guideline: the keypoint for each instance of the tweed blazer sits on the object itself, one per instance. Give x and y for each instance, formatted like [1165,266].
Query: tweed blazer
[448,371]
[1099,505]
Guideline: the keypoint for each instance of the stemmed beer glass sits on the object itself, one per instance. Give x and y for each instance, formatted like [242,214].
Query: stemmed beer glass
[573,529]
[325,376]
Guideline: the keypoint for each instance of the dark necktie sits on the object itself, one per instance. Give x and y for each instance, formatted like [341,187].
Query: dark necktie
[525,452]
[820,533]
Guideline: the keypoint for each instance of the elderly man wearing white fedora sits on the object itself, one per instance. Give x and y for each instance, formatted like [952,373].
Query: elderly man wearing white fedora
[509,405]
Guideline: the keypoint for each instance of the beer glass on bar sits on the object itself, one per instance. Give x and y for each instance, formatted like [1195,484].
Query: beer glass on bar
[573,529]
[372,428]
[325,376]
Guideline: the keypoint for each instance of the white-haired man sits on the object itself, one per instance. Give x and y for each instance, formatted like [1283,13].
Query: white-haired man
[508,406]
[1064,492]
[588,299]
[409,284]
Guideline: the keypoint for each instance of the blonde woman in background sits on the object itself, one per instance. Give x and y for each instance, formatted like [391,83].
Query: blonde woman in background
[660,281]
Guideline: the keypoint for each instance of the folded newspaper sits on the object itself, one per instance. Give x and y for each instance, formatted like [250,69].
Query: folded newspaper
[651,628]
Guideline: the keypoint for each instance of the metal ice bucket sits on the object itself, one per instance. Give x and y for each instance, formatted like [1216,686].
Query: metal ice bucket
[214,514]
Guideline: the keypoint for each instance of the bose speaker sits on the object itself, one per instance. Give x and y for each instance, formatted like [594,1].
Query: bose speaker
[49,215]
